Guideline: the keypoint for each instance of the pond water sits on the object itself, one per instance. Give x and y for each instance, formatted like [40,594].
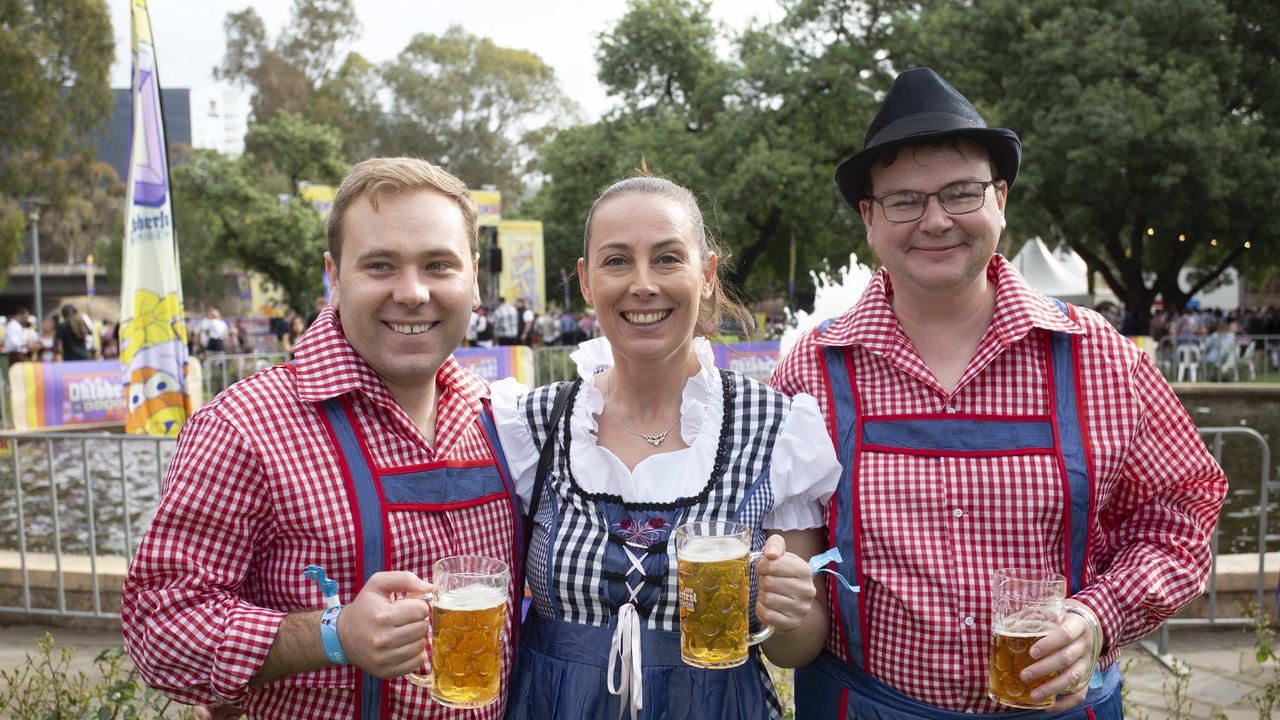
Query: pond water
[1241,458]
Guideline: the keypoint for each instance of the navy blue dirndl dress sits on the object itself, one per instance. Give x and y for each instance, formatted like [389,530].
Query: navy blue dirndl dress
[596,561]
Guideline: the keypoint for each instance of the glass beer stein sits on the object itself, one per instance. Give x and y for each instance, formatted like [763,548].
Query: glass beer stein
[714,560]
[467,631]
[1026,606]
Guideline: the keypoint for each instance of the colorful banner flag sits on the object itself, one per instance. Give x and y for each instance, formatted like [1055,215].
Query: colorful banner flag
[153,336]
[488,207]
[522,277]
[496,363]
[50,395]
[753,359]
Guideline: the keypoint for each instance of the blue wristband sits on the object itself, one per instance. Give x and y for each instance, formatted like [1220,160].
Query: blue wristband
[329,636]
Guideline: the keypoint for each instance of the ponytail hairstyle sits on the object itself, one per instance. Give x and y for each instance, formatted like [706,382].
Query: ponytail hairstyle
[723,303]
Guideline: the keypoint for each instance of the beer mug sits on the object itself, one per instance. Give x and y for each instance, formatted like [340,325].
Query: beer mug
[714,560]
[466,634]
[1026,606]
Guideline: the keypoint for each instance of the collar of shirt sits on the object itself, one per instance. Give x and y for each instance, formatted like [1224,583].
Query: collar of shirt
[328,367]
[1019,309]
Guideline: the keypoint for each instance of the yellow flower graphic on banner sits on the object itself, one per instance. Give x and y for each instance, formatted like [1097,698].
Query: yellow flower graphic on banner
[155,320]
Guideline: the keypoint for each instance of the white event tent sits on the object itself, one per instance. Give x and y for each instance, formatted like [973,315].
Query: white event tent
[1065,278]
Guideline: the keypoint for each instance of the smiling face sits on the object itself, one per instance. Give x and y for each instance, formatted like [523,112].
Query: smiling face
[940,254]
[645,276]
[405,284]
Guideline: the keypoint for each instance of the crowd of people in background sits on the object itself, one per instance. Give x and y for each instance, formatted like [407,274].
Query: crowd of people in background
[515,323]
[1222,337]
[66,334]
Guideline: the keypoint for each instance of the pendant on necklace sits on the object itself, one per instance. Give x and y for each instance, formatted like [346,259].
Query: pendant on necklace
[654,440]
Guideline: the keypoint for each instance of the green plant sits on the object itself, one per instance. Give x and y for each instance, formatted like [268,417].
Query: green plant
[45,688]
[1265,653]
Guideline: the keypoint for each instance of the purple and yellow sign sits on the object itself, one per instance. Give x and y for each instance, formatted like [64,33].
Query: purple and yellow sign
[497,363]
[754,359]
[46,395]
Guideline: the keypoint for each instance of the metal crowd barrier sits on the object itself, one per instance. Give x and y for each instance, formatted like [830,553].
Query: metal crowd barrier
[223,370]
[51,478]
[60,504]
[1215,436]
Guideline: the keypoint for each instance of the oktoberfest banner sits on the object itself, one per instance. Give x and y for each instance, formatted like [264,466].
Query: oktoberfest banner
[496,363]
[50,395]
[754,359]
[522,276]
[153,336]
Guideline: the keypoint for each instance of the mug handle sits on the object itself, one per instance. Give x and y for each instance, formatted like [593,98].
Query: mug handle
[766,631]
[422,680]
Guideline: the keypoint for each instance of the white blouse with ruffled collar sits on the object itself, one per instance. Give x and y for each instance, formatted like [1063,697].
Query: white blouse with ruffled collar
[803,473]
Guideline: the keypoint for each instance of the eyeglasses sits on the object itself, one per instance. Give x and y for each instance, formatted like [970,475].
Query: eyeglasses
[958,198]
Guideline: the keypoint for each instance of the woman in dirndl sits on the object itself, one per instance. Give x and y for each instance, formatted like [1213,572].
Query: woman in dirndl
[652,435]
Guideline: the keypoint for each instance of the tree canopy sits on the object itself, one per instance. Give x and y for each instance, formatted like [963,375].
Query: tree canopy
[755,134]
[1149,128]
[54,99]
[478,109]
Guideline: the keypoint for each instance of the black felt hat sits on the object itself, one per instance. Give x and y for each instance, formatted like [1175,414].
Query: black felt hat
[922,106]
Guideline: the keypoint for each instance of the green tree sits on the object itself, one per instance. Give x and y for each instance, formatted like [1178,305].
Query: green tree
[287,75]
[1149,129]
[54,98]
[479,109]
[757,134]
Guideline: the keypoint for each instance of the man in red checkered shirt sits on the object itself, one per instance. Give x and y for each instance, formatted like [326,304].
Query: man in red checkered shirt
[982,426]
[371,456]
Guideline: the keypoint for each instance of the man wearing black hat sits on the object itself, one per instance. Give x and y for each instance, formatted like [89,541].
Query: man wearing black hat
[984,426]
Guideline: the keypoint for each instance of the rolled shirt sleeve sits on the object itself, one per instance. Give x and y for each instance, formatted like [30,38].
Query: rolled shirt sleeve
[1158,530]
[187,629]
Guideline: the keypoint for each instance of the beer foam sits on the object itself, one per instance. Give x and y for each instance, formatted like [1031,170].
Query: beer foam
[1012,627]
[471,597]
[712,549]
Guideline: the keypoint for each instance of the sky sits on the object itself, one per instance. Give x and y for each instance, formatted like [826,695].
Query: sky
[190,41]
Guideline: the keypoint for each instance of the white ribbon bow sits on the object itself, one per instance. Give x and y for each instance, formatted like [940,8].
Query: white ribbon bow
[624,649]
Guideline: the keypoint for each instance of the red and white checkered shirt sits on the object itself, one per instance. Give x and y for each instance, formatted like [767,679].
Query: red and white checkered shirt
[255,493]
[933,529]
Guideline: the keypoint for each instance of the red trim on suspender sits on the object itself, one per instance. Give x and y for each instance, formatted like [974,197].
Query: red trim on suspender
[855,515]
[375,472]
[353,507]
[455,505]
[957,453]
[375,475]
[1089,711]
[844,704]
[833,511]
[1087,447]
[990,417]
[1061,462]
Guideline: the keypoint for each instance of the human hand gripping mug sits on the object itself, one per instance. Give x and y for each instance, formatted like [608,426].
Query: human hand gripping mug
[467,631]
[714,560]
[1026,606]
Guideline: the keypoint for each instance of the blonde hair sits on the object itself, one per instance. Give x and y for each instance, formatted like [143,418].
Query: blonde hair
[377,176]
[722,303]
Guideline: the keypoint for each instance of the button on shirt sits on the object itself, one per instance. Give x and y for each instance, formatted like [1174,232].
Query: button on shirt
[933,529]
[253,494]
